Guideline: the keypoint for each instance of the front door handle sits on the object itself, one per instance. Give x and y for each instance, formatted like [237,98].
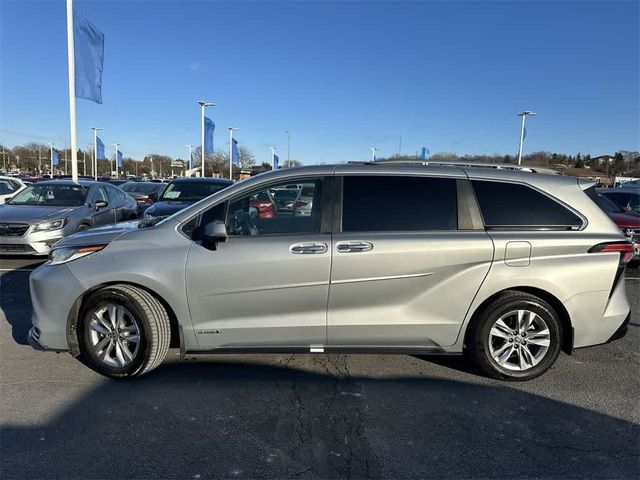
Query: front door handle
[308,248]
[356,246]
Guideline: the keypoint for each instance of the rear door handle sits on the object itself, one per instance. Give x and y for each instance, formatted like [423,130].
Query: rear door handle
[356,246]
[308,248]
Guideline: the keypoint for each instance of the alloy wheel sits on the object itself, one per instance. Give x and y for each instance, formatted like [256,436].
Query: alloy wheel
[519,340]
[114,335]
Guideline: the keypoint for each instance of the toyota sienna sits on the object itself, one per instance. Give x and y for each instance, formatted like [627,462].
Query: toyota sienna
[508,268]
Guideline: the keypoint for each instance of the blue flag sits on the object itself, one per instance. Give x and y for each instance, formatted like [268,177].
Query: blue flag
[54,156]
[276,159]
[524,133]
[193,160]
[119,159]
[88,44]
[425,153]
[235,154]
[209,127]
[100,149]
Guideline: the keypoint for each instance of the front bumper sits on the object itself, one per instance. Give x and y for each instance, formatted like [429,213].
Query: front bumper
[31,243]
[54,290]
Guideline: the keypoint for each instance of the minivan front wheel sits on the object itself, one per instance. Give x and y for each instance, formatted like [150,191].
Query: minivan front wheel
[123,331]
[517,337]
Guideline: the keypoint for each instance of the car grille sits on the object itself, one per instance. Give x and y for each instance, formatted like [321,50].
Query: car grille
[15,248]
[13,229]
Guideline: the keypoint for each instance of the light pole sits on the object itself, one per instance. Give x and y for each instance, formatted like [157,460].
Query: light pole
[231,129]
[288,134]
[95,152]
[373,153]
[116,169]
[203,106]
[524,114]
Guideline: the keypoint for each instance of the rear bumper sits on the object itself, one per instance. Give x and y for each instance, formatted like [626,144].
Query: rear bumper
[622,330]
[592,325]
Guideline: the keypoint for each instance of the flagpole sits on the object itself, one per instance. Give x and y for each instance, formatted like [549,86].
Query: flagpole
[95,152]
[72,92]
[190,165]
[116,169]
[203,105]
[231,129]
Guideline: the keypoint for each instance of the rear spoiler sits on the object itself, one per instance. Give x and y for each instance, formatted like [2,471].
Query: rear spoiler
[585,183]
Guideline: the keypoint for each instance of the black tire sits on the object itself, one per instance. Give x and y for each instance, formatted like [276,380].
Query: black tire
[82,227]
[152,322]
[478,340]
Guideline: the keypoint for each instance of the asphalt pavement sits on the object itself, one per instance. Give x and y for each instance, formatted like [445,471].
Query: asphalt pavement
[313,416]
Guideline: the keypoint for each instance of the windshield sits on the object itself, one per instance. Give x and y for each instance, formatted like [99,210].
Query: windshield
[191,191]
[51,196]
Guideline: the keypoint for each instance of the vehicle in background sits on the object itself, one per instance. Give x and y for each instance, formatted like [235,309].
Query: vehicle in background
[631,184]
[144,193]
[9,186]
[113,181]
[626,198]
[183,192]
[628,221]
[264,204]
[285,198]
[43,213]
[509,268]
[13,180]
[303,205]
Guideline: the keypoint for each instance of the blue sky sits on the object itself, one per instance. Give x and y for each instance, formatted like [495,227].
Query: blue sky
[341,76]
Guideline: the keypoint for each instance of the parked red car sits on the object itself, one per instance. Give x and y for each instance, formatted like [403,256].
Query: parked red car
[265,204]
[627,221]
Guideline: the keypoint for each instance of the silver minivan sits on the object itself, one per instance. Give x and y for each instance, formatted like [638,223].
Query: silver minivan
[508,268]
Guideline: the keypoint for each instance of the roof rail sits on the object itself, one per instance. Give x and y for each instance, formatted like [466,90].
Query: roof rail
[459,163]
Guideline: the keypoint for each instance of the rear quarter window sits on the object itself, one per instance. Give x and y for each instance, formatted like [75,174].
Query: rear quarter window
[388,203]
[514,205]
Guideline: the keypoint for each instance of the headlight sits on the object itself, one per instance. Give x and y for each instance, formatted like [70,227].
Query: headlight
[50,225]
[67,254]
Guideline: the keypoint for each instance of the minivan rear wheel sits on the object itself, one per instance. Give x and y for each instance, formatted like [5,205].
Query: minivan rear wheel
[123,332]
[516,337]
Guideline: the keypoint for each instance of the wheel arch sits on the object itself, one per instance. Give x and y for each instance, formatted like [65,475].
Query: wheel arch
[177,336]
[565,319]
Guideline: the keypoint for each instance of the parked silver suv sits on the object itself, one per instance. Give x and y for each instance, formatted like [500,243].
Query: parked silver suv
[507,267]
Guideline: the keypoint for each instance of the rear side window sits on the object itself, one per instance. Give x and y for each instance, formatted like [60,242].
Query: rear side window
[388,203]
[506,205]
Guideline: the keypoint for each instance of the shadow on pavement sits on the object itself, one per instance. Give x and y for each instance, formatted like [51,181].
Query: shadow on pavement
[223,419]
[15,299]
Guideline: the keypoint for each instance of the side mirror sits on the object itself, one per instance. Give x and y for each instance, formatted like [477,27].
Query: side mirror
[214,233]
[101,204]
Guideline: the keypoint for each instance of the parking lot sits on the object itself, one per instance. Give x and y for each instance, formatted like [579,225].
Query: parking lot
[313,416]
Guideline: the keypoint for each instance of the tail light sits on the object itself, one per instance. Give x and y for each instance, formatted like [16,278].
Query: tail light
[625,249]
[144,200]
